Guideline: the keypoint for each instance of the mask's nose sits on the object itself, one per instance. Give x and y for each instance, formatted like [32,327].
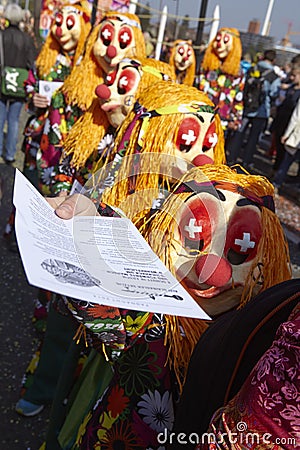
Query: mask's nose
[111,51]
[213,270]
[103,92]
[58,32]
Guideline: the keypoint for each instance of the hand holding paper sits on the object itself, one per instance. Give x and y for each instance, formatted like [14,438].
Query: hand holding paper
[103,260]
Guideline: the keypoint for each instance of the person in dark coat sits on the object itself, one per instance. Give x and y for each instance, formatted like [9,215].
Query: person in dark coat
[18,51]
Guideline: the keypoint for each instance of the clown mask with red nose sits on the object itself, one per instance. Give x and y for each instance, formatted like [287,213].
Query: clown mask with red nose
[214,231]
[66,28]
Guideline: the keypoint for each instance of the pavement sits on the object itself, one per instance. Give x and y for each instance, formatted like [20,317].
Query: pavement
[18,339]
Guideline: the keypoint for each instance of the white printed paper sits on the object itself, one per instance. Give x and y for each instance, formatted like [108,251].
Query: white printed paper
[104,260]
[48,88]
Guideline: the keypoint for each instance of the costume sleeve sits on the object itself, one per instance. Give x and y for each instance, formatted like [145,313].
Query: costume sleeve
[31,86]
[110,329]
[237,106]
[60,119]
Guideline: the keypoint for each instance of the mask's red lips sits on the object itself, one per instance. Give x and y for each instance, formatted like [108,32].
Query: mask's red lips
[107,107]
[207,291]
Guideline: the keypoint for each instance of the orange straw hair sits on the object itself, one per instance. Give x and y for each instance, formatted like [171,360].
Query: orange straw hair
[189,74]
[272,257]
[161,130]
[231,64]
[84,137]
[79,87]
[51,48]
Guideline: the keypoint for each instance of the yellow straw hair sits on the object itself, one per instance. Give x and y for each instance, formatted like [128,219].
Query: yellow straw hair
[189,73]
[79,87]
[51,49]
[272,258]
[157,140]
[84,137]
[230,65]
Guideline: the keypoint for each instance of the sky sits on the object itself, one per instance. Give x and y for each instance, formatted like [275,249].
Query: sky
[238,13]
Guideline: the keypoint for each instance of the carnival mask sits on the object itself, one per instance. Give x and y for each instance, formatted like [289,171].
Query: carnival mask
[67,28]
[117,95]
[223,44]
[115,41]
[184,56]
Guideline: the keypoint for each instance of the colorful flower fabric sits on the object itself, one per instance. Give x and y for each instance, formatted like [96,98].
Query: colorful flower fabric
[138,403]
[226,91]
[34,128]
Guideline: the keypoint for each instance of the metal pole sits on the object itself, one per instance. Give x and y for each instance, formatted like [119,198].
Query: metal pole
[200,28]
[265,28]
[161,32]
[132,6]
[215,24]
[177,24]
[36,15]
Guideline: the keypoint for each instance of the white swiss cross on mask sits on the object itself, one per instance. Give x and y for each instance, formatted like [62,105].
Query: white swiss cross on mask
[106,33]
[189,138]
[125,37]
[123,81]
[192,228]
[245,243]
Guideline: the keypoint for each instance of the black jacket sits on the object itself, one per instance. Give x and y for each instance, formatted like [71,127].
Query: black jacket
[18,48]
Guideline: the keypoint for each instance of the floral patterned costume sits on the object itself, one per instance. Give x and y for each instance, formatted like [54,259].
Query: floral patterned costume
[60,120]
[64,174]
[34,129]
[137,402]
[226,91]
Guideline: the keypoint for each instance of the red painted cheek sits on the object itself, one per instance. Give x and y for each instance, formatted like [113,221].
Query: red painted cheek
[243,236]
[188,133]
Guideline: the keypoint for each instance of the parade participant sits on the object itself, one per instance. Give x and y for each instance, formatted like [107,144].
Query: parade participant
[93,135]
[17,51]
[60,52]
[183,60]
[169,119]
[145,353]
[117,36]
[82,145]
[222,78]
[242,261]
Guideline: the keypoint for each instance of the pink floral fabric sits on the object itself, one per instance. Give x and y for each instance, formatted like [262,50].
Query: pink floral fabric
[265,414]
